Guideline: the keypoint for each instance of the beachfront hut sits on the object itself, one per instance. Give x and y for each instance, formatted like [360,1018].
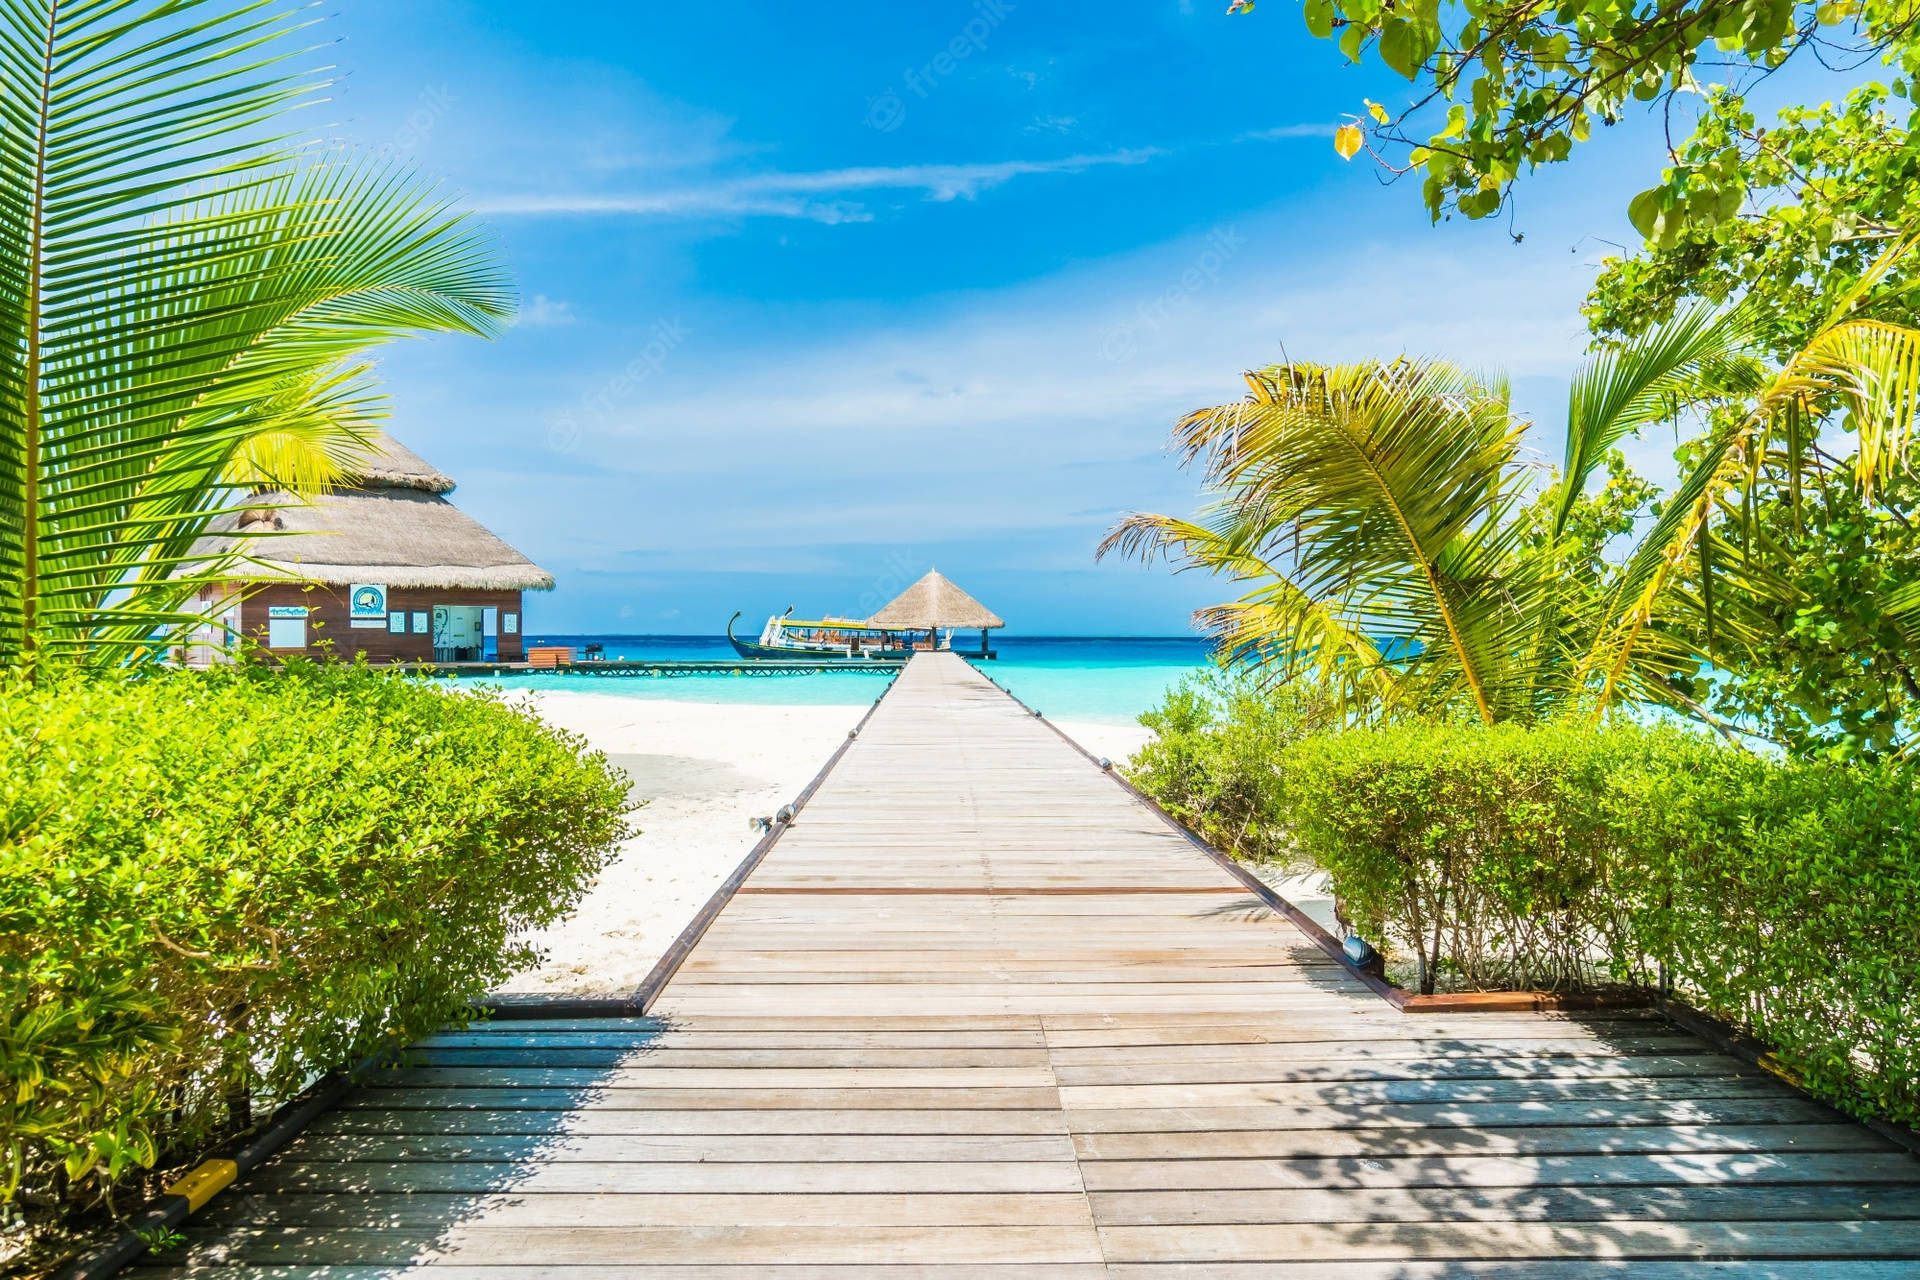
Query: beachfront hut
[384,566]
[934,604]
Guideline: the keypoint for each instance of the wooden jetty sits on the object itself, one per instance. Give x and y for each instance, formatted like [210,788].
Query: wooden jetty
[979,1012]
[646,667]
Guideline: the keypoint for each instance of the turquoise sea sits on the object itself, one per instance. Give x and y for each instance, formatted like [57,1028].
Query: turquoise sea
[1066,677]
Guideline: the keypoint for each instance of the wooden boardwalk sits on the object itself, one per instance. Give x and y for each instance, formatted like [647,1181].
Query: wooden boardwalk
[980,1013]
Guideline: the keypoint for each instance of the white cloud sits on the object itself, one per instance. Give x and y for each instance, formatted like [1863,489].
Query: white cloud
[1283,131]
[543,312]
[1016,410]
[808,194]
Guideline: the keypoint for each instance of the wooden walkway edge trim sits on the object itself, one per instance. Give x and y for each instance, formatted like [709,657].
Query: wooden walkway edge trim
[192,1192]
[676,955]
[1399,998]
[1736,1043]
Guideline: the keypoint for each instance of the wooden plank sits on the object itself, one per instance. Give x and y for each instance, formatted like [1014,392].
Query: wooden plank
[1298,1242]
[741,1098]
[711,1147]
[648,1077]
[520,1057]
[563,1116]
[1834,1202]
[1530,1269]
[636,1271]
[1268,1144]
[1624,1169]
[663,1178]
[1774,1109]
[737,1244]
[562,1209]
[1360,1093]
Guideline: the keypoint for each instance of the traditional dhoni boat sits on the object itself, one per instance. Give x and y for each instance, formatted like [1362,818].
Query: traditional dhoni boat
[924,616]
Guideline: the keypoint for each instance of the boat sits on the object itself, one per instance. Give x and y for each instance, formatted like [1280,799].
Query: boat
[924,616]
[790,639]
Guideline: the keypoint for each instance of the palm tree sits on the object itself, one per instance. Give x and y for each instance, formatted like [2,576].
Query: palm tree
[1390,530]
[1395,546]
[185,297]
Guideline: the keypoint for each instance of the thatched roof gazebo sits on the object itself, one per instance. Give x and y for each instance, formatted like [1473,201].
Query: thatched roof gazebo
[935,604]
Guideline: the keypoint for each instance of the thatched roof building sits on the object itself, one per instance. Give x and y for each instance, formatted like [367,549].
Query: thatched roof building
[383,567]
[934,603]
[393,525]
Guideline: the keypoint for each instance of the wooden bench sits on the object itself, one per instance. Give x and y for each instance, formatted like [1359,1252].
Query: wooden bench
[550,655]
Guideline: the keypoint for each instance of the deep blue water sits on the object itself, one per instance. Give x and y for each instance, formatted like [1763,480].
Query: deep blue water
[1066,677]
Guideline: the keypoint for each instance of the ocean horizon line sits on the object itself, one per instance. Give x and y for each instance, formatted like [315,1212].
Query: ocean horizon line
[721,635]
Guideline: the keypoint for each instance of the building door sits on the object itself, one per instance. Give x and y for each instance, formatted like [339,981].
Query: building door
[456,633]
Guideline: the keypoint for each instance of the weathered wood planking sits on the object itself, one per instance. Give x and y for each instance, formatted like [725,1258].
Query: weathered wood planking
[979,1013]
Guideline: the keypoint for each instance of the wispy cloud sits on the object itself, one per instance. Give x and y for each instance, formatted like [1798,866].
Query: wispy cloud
[1283,131]
[542,312]
[817,195]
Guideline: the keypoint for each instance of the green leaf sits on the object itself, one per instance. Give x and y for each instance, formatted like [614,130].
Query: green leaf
[1644,210]
[1401,46]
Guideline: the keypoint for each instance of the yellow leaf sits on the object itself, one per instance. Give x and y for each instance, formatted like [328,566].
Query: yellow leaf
[1378,112]
[1347,140]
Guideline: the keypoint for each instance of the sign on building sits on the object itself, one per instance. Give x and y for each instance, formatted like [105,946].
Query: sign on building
[367,605]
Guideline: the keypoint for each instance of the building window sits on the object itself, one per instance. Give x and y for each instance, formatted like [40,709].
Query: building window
[397,622]
[510,624]
[419,623]
[286,627]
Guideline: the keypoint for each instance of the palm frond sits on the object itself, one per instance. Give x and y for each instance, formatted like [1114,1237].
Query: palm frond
[1624,386]
[1388,490]
[1867,367]
[1274,626]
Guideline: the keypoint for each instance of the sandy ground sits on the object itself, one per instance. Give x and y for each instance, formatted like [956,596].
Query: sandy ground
[703,771]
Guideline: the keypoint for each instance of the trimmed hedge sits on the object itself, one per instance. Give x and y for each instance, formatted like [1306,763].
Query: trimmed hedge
[1781,896]
[215,886]
[1484,855]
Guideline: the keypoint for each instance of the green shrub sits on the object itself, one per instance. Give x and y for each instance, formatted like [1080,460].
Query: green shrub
[1785,897]
[1214,761]
[1484,854]
[216,885]
[1782,896]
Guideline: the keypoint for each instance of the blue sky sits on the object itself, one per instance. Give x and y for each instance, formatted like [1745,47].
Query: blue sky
[809,307]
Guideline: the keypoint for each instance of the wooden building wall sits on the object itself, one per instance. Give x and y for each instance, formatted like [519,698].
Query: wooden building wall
[328,622]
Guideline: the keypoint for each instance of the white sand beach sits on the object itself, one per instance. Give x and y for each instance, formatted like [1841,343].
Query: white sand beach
[704,770]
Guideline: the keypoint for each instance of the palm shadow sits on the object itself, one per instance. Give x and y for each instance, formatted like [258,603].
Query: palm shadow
[1431,1144]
